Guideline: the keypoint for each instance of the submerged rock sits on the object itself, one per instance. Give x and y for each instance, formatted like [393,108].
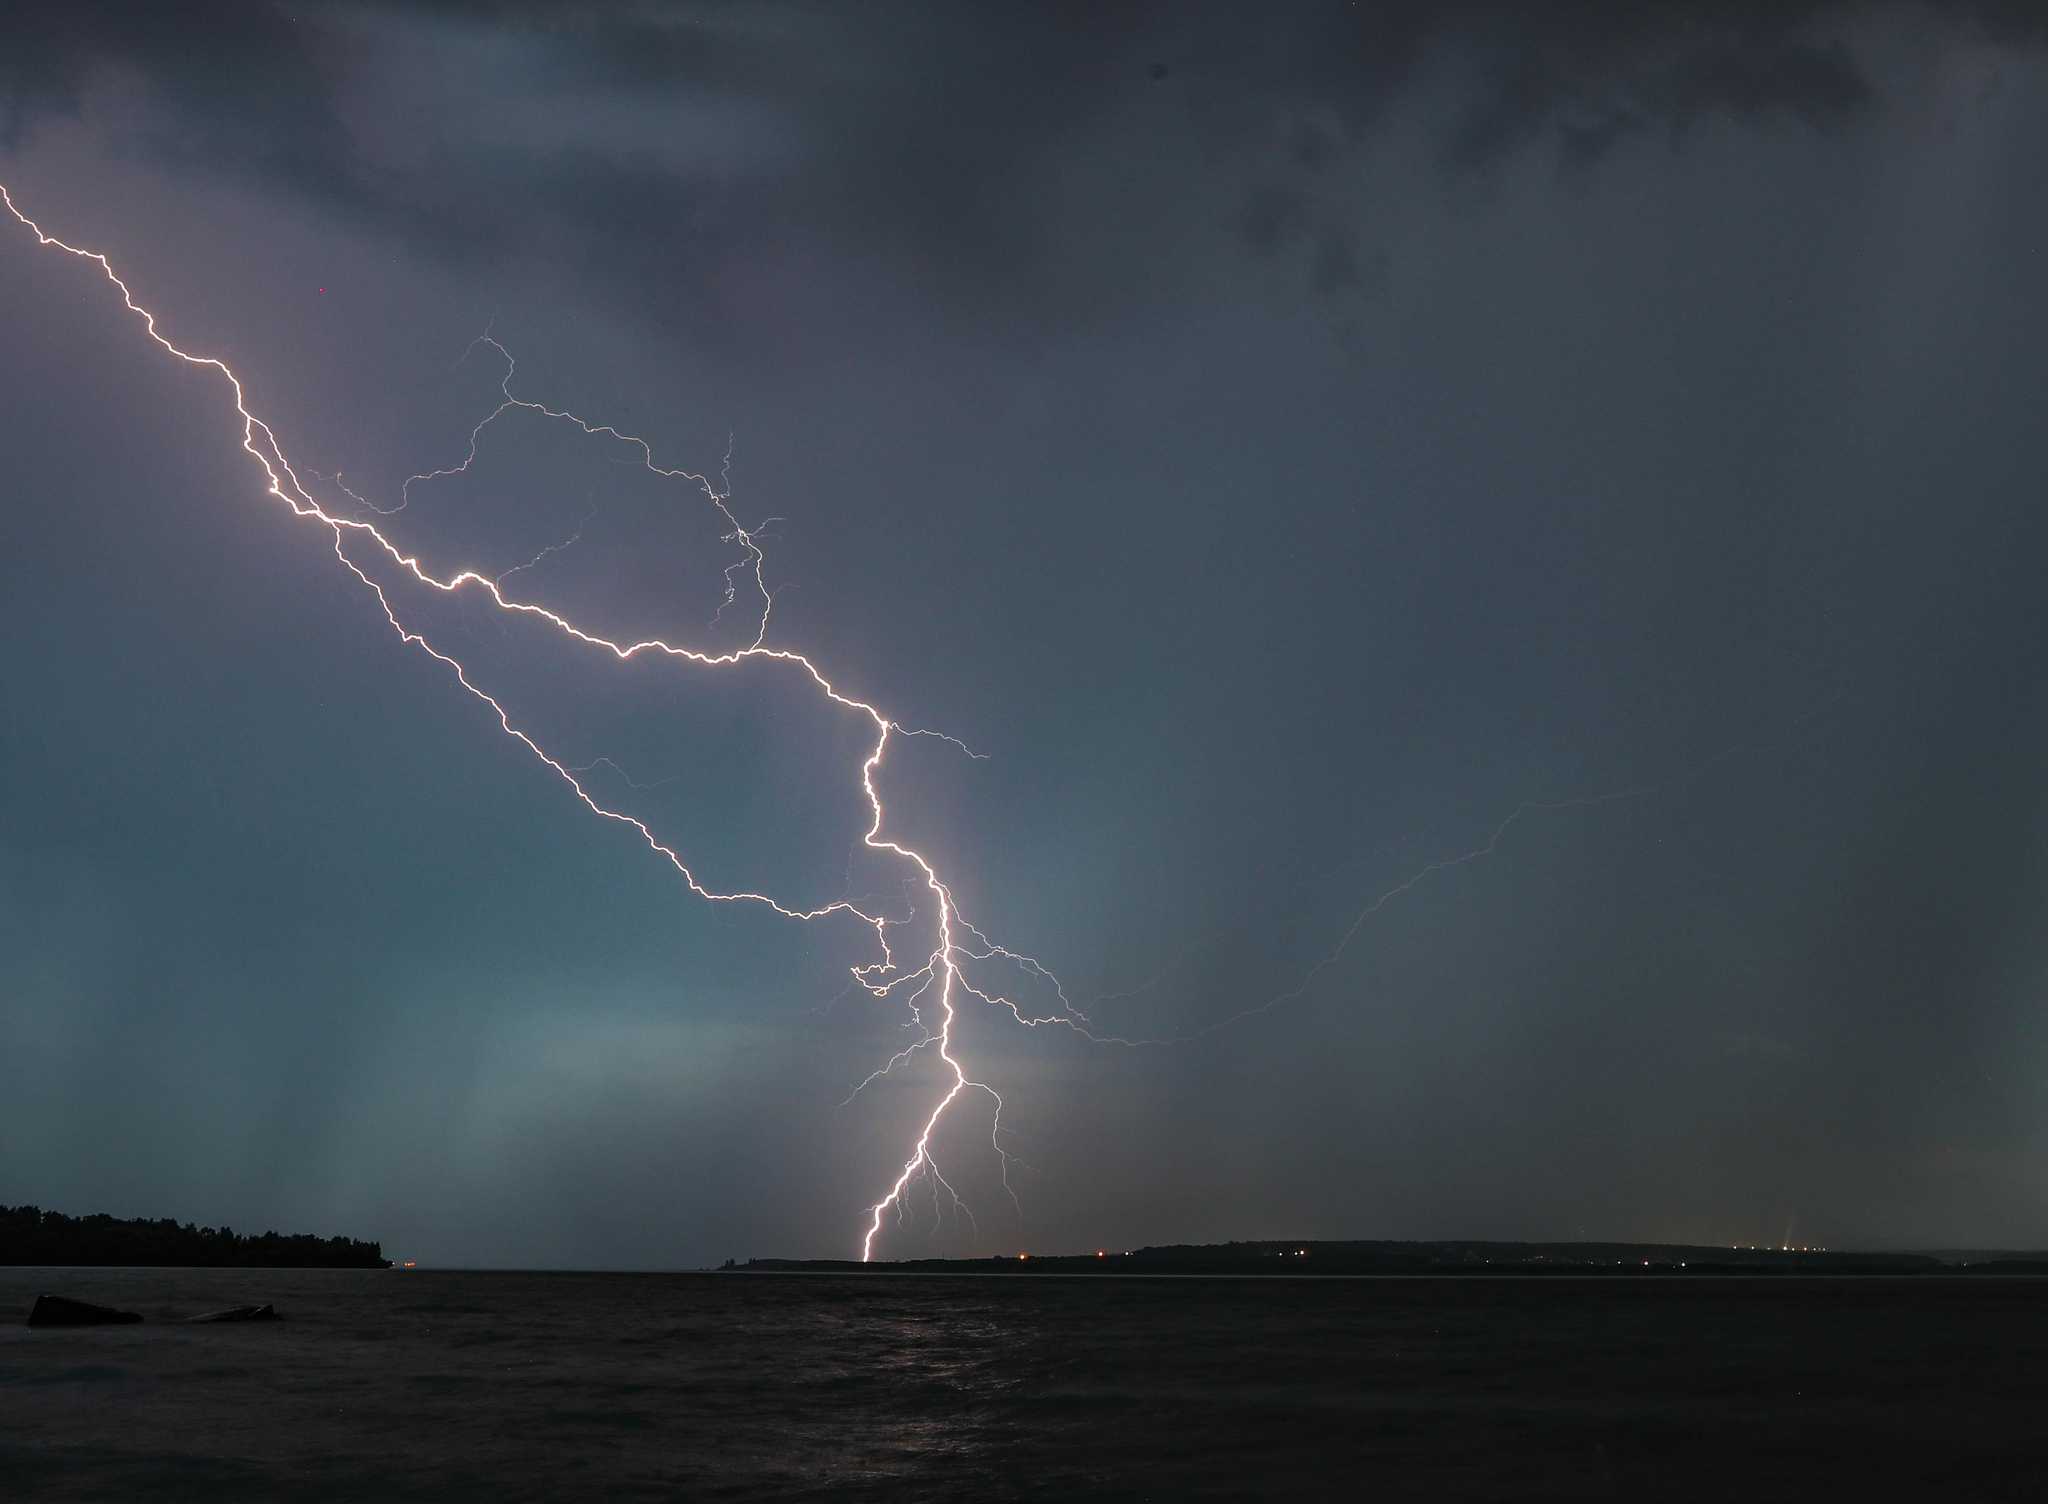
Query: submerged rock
[240,1313]
[62,1310]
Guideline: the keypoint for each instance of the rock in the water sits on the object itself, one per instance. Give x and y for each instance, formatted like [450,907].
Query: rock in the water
[62,1310]
[240,1313]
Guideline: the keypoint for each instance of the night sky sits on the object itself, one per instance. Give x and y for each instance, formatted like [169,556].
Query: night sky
[1287,441]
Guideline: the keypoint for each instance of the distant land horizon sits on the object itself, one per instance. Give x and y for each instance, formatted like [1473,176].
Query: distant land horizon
[1450,1257]
[30,1236]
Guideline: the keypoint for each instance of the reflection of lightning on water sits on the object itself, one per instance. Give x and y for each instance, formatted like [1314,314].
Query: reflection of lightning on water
[929,990]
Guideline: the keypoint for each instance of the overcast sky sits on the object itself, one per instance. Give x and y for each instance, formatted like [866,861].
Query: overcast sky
[1297,446]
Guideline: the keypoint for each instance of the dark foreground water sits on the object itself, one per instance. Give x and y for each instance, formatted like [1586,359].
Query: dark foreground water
[406,1385]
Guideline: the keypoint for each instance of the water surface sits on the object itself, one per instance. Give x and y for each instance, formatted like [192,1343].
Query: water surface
[410,1384]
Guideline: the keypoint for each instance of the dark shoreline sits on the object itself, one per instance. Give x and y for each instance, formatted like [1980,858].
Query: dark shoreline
[1562,1276]
[33,1238]
[1445,1259]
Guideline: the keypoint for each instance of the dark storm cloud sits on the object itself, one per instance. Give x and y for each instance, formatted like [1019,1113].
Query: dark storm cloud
[237,83]
[900,156]
[1696,387]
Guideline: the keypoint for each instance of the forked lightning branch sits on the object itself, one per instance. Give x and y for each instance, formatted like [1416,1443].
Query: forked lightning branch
[932,981]
[928,982]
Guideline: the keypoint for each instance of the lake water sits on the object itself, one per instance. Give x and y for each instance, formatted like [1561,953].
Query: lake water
[413,1384]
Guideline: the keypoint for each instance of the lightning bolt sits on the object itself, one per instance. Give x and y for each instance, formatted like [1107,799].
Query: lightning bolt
[930,989]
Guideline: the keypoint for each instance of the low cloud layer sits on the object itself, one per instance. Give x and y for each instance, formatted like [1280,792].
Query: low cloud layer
[701,165]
